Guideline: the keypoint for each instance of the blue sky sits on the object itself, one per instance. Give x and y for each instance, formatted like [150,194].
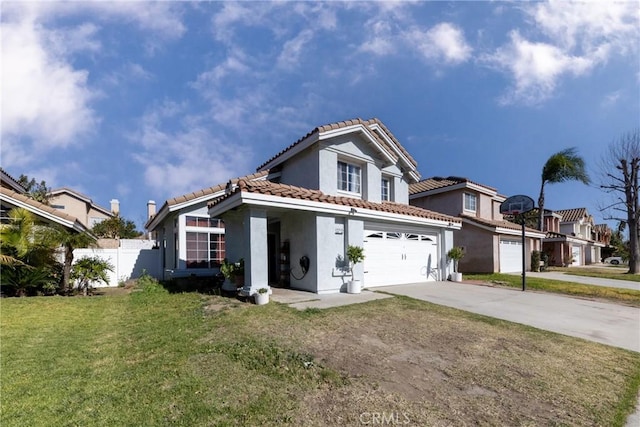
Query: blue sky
[139,101]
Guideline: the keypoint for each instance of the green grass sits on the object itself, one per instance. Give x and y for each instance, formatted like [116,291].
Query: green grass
[140,359]
[154,358]
[626,296]
[609,272]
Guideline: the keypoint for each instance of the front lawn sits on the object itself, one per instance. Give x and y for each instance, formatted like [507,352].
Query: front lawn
[615,272]
[154,358]
[617,295]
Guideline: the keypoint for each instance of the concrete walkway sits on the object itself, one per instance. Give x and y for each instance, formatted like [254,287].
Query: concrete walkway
[303,300]
[596,281]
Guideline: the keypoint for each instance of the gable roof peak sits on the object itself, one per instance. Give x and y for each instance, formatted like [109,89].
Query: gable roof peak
[378,132]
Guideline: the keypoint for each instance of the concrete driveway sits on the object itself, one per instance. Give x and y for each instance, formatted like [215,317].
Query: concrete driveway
[606,323]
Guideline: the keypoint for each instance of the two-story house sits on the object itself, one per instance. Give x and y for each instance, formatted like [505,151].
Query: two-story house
[571,238]
[491,244]
[341,184]
[81,206]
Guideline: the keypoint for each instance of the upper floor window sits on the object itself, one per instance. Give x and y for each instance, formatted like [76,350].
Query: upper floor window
[385,190]
[349,177]
[470,202]
[195,221]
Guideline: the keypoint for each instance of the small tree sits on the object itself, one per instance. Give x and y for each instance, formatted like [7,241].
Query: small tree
[36,190]
[355,254]
[620,169]
[455,254]
[69,240]
[116,227]
[88,270]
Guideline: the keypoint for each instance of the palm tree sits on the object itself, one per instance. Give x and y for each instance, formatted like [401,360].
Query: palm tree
[69,240]
[565,165]
[26,255]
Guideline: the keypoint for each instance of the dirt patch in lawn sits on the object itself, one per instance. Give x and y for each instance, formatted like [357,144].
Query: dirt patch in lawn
[414,363]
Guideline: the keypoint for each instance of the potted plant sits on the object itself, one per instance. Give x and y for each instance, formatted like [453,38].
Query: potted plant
[455,254]
[228,270]
[355,254]
[262,296]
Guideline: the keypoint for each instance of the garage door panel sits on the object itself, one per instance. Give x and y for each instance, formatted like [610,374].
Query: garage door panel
[510,256]
[395,258]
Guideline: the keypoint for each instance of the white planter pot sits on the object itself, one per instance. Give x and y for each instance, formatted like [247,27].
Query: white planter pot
[261,299]
[456,277]
[354,286]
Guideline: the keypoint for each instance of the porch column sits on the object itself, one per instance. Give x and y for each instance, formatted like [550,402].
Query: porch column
[256,263]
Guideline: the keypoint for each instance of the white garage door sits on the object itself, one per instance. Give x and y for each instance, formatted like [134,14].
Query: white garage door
[510,256]
[393,258]
[576,253]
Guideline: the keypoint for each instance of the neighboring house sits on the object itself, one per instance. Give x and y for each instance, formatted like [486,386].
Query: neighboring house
[570,238]
[10,199]
[342,184]
[491,244]
[191,243]
[7,181]
[80,206]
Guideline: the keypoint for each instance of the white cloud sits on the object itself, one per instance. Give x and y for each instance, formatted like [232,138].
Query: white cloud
[611,99]
[293,49]
[46,100]
[573,39]
[380,38]
[444,42]
[188,157]
[587,25]
[43,97]
[535,67]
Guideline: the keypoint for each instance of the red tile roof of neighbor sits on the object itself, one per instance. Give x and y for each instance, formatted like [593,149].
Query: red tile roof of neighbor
[437,182]
[293,192]
[347,123]
[575,214]
[499,223]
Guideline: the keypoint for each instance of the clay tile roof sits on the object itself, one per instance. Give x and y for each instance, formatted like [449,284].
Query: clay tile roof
[290,191]
[437,182]
[347,123]
[499,223]
[212,190]
[570,215]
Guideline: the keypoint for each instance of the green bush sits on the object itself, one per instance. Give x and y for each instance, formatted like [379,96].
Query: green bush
[535,260]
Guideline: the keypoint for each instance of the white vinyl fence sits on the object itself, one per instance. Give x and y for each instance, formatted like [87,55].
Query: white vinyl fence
[130,260]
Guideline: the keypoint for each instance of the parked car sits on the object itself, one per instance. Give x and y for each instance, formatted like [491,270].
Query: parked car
[615,260]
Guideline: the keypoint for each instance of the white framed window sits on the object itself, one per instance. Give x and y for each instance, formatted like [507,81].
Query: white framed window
[385,189]
[470,202]
[205,250]
[349,177]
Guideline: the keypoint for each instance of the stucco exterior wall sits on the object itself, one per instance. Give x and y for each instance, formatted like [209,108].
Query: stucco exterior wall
[303,170]
[85,213]
[450,203]
[331,237]
[299,228]
[481,250]
[484,208]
